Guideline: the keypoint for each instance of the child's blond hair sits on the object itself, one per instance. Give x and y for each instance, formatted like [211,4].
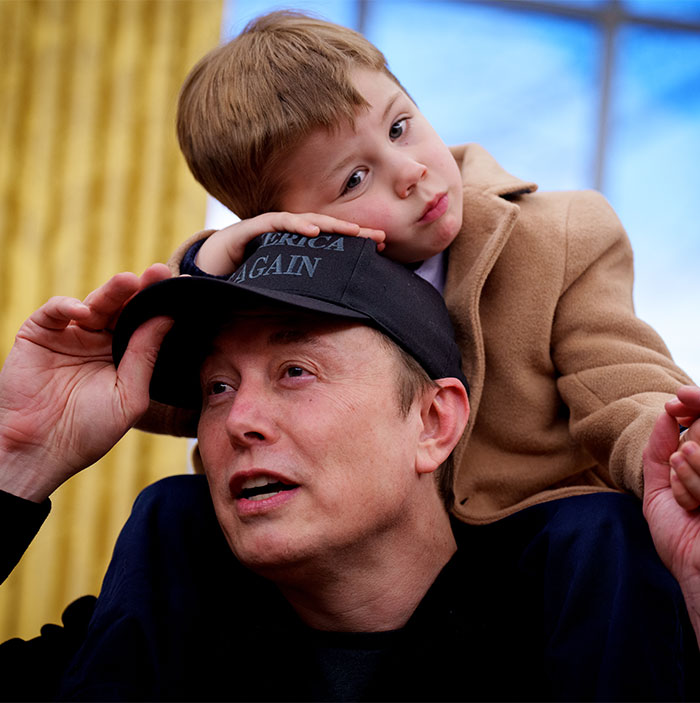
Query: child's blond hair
[248,102]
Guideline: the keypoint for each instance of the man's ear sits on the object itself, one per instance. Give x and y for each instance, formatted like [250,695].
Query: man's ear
[444,415]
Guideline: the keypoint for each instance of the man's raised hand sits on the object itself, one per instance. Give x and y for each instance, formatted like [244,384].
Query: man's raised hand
[63,405]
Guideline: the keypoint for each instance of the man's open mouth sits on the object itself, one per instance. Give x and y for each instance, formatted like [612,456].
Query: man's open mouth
[263,487]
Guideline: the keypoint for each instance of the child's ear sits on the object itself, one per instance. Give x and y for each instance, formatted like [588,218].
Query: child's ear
[444,413]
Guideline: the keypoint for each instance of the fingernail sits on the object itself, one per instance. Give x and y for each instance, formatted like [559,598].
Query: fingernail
[676,459]
[689,448]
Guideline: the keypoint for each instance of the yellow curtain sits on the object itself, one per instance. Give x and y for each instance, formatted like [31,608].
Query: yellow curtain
[91,183]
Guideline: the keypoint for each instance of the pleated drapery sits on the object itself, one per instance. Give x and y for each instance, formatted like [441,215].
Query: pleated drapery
[91,183]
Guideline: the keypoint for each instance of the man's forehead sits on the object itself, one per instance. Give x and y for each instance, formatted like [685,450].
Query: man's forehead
[280,329]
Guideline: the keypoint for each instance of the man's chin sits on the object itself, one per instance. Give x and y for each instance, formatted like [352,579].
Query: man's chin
[271,553]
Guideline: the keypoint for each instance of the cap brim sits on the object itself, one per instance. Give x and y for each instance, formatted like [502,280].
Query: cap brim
[198,307]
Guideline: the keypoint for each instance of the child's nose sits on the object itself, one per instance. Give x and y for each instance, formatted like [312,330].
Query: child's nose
[410,173]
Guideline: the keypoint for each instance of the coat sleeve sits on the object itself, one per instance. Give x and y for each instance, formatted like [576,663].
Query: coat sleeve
[31,669]
[615,372]
[20,520]
[176,260]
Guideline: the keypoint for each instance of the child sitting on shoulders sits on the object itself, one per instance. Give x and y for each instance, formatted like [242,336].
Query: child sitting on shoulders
[297,125]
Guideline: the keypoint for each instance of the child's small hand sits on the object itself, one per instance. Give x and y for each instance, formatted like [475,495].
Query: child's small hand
[685,475]
[685,461]
[671,493]
[222,252]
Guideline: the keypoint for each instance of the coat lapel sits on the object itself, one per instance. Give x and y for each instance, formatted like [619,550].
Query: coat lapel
[489,219]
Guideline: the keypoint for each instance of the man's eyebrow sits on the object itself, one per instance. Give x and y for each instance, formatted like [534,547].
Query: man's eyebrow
[279,338]
[294,336]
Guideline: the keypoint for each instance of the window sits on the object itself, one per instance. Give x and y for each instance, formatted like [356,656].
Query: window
[598,94]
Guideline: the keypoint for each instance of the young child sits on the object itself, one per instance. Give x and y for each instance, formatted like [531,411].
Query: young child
[297,125]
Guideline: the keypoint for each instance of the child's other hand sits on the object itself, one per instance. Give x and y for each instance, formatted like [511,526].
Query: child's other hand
[685,461]
[222,252]
[672,475]
[685,475]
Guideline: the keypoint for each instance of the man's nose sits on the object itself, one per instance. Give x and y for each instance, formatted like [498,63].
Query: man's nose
[409,172]
[251,418]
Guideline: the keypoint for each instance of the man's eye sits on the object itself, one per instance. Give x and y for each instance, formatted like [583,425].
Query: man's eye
[354,180]
[295,371]
[397,129]
[219,387]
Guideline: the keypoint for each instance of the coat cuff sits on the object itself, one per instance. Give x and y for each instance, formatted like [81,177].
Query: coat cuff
[20,520]
[175,261]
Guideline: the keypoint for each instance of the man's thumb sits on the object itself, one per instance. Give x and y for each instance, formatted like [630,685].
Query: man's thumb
[663,441]
[136,366]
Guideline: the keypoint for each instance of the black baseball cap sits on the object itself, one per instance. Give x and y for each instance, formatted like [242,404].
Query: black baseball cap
[331,274]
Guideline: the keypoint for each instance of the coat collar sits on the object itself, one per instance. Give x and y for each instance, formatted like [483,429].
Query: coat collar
[480,171]
[490,212]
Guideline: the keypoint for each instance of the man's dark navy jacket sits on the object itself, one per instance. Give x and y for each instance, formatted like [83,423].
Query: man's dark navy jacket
[178,618]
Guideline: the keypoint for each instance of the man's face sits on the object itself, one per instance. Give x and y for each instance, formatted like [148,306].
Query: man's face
[305,450]
[391,172]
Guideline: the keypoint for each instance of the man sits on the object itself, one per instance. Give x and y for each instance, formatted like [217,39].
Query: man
[317,560]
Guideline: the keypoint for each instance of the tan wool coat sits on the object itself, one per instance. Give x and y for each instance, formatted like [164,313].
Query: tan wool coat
[565,381]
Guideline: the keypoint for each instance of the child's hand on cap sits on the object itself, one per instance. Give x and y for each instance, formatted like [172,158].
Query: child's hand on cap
[223,251]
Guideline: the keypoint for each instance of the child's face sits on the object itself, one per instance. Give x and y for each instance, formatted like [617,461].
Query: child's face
[391,172]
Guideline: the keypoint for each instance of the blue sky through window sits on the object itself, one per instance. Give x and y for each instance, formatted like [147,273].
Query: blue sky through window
[527,86]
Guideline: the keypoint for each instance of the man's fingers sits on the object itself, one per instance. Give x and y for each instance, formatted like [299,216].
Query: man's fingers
[662,443]
[680,410]
[690,395]
[663,440]
[686,404]
[154,274]
[57,313]
[100,306]
[136,366]
[107,300]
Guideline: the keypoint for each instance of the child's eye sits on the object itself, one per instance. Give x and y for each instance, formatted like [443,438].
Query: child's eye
[355,180]
[397,129]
